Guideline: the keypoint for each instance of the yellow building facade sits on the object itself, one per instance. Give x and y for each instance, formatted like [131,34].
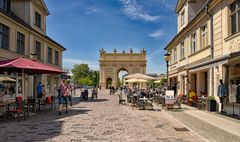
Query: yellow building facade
[23,34]
[206,49]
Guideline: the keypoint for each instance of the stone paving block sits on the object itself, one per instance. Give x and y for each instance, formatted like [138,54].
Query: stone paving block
[97,121]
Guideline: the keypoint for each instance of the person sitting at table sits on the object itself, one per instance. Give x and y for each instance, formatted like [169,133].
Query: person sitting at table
[139,94]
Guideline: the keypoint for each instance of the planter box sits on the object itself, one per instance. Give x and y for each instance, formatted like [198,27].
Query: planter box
[211,105]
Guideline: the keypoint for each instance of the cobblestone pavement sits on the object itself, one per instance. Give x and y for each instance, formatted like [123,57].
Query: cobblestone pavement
[96,121]
[210,132]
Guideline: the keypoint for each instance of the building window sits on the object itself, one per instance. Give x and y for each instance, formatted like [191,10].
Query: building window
[38,50]
[182,18]
[49,55]
[37,19]
[4,37]
[56,58]
[20,43]
[193,43]
[182,54]
[204,36]
[171,59]
[235,16]
[175,55]
[5,5]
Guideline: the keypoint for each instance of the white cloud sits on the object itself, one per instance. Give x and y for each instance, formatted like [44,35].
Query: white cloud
[168,4]
[69,63]
[91,10]
[153,54]
[136,11]
[157,34]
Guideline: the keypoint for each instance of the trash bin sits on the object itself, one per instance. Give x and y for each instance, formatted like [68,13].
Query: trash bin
[212,105]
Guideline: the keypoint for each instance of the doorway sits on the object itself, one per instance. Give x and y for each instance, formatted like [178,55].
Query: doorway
[108,83]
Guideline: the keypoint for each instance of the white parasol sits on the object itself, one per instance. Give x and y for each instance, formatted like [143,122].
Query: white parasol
[139,76]
[136,80]
[7,79]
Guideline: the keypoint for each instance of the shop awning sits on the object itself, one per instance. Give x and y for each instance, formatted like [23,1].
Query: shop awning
[213,62]
[28,66]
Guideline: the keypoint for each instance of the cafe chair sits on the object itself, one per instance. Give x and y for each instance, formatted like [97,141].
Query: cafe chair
[42,104]
[18,110]
[53,104]
[48,102]
[31,105]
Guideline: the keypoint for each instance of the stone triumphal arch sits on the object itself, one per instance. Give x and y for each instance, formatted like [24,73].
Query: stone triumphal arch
[112,63]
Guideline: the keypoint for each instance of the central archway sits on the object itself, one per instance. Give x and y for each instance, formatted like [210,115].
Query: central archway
[121,73]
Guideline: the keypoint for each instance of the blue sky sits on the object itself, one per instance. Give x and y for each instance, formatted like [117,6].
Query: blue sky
[85,26]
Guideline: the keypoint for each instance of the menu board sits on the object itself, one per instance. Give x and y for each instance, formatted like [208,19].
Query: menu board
[169,95]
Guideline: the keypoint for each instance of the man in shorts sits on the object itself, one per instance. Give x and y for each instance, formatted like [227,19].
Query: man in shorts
[62,96]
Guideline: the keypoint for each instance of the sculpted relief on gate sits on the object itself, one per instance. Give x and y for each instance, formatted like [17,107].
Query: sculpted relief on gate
[112,63]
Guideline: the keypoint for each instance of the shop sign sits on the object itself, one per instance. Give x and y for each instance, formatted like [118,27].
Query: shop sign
[234,46]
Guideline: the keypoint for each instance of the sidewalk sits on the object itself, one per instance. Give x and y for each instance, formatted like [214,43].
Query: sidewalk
[209,125]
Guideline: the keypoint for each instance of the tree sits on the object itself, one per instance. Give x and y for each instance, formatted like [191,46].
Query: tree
[84,76]
[85,81]
[80,71]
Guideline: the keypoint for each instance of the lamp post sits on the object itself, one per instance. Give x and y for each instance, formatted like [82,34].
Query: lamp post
[167,58]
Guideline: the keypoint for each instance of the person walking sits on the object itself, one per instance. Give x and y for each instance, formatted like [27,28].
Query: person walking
[63,91]
[110,90]
[39,90]
[70,94]
[221,93]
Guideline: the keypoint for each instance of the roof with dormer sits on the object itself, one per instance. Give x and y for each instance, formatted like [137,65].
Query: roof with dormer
[180,4]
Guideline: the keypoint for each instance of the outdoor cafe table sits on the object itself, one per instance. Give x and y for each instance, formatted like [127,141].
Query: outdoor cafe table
[170,103]
[7,105]
[144,102]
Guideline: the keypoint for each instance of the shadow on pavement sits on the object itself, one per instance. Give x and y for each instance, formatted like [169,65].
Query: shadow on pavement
[42,127]
[90,100]
[182,109]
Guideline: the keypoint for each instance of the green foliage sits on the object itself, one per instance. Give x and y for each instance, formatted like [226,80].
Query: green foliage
[85,81]
[163,81]
[211,98]
[151,83]
[84,76]
[119,82]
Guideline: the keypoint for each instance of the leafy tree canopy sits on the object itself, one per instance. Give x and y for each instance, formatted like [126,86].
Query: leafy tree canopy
[84,76]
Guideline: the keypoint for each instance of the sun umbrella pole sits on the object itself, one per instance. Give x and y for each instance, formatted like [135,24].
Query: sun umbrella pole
[23,83]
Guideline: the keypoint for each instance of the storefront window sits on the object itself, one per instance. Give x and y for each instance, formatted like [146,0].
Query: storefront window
[48,84]
[20,86]
[7,88]
[234,74]
[56,83]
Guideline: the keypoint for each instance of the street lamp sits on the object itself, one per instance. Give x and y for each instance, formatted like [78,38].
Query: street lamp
[167,58]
